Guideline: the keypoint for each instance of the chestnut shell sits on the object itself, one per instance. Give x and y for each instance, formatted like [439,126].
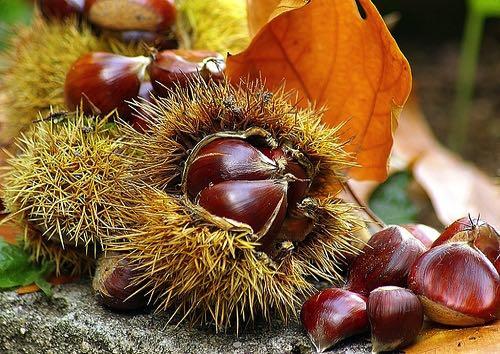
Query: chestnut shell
[333,315]
[227,159]
[458,277]
[386,260]
[178,67]
[396,317]
[103,82]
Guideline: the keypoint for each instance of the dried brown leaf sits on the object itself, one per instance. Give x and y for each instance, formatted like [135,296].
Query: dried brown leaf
[333,56]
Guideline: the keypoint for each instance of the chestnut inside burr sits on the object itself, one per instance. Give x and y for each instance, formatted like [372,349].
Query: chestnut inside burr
[249,181]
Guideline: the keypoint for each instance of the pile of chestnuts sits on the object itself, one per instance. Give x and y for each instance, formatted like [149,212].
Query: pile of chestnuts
[404,273]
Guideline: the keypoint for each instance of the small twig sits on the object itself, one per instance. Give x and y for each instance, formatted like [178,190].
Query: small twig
[376,220]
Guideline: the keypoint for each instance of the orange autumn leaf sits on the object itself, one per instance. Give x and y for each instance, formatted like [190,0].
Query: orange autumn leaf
[54,280]
[442,339]
[261,12]
[27,289]
[9,232]
[332,56]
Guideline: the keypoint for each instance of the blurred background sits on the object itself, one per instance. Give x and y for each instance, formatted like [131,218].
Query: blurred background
[431,35]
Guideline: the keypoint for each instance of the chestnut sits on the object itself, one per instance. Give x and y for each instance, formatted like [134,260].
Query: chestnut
[483,235]
[456,284]
[61,9]
[396,317]
[333,315]
[141,15]
[228,159]
[297,187]
[102,82]
[385,260]
[177,67]
[235,183]
[259,204]
[114,284]
[426,234]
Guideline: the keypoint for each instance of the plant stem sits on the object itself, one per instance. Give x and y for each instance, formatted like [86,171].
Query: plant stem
[376,220]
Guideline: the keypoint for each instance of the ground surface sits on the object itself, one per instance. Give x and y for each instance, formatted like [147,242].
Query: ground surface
[72,322]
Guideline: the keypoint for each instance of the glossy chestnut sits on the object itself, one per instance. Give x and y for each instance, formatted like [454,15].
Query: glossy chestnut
[260,204]
[61,9]
[385,260]
[228,159]
[426,234]
[396,317]
[139,15]
[333,315]
[102,82]
[114,286]
[176,67]
[482,235]
[456,284]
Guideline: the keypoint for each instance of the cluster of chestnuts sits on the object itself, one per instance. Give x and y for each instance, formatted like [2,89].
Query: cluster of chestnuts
[102,82]
[408,272]
[148,21]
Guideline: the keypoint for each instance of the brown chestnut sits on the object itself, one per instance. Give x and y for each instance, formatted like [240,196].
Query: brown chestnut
[426,234]
[141,15]
[102,82]
[333,315]
[456,284]
[236,183]
[396,317]
[114,286]
[226,159]
[177,67]
[61,9]
[297,187]
[259,204]
[296,227]
[483,235]
[385,260]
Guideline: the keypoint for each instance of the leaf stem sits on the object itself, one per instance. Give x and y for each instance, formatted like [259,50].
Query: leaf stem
[376,220]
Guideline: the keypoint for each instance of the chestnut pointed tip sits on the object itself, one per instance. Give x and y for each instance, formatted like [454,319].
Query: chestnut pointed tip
[319,343]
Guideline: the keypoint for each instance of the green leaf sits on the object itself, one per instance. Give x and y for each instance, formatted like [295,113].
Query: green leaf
[16,269]
[12,11]
[391,202]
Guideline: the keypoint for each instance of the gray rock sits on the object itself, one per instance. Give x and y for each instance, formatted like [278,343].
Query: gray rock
[72,322]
